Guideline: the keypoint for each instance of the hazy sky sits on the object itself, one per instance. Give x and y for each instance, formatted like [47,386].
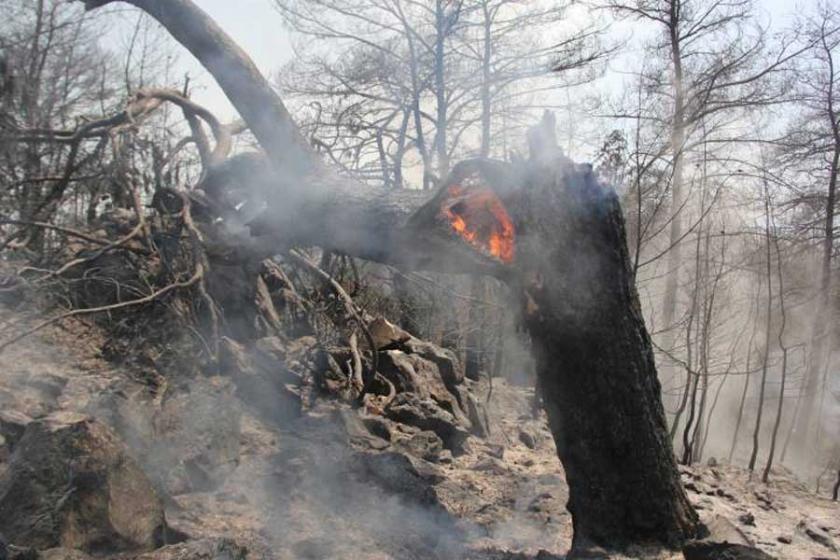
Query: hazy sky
[257,27]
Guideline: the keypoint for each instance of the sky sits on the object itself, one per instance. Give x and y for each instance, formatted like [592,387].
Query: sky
[253,24]
[258,28]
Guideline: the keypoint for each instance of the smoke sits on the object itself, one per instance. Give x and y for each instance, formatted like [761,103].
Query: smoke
[730,335]
[287,483]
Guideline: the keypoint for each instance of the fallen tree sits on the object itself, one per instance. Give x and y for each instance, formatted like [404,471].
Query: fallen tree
[545,226]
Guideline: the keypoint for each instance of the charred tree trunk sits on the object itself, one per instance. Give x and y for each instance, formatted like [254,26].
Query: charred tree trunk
[595,361]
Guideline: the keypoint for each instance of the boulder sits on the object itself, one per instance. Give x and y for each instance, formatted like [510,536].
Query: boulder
[413,374]
[426,414]
[450,367]
[809,529]
[474,410]
[399,474]
[385,333]
[358,432]
[721,530]
[425,445]
[527,439]
[388,336]
[71,483]
[724,541]
[701,550]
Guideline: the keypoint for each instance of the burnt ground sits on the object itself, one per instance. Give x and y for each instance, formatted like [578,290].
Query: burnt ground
[324,480]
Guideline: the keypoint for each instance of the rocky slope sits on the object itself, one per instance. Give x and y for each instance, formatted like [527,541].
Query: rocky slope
[260,460]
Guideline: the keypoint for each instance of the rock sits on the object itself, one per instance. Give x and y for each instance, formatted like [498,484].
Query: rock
[721,530]
[398,474]
[474,411]
[539,502]
[810,529]
[357,432]
[784,539]
[70,482]
[379,427]
[497,451]
[398,367]
[527,439]
[423,445]
[747,519]
[195,444]
[491,465]
[445,457]
[261,379]
[701,550]
[12,426]
[426,414]
[385,334]
[764,499]
[200,549]
[22,553]
[450,367]
[724,542]
[414,374]
[388,336]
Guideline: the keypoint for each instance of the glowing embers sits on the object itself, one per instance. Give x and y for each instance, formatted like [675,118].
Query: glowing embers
[476,214]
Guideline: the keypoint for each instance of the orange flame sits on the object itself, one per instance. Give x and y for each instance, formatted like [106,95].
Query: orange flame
[477,215]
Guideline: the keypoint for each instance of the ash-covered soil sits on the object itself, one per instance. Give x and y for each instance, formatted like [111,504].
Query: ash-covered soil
[254,461]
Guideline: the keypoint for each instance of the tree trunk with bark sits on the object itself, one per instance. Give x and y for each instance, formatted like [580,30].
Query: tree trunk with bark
[595,361]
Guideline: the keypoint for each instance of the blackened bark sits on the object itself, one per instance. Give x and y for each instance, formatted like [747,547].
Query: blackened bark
[595,362]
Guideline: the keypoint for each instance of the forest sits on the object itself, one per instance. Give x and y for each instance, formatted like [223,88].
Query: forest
[479,279]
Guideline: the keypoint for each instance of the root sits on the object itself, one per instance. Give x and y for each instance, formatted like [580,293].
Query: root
[349,304]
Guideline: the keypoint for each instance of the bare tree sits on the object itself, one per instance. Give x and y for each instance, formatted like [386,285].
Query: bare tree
[784,367]
[765,354]
[811,153]
[729,72]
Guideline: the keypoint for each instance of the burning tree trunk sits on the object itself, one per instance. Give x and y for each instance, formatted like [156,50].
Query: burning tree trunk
[595,363]
[594,356]
[546,228]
